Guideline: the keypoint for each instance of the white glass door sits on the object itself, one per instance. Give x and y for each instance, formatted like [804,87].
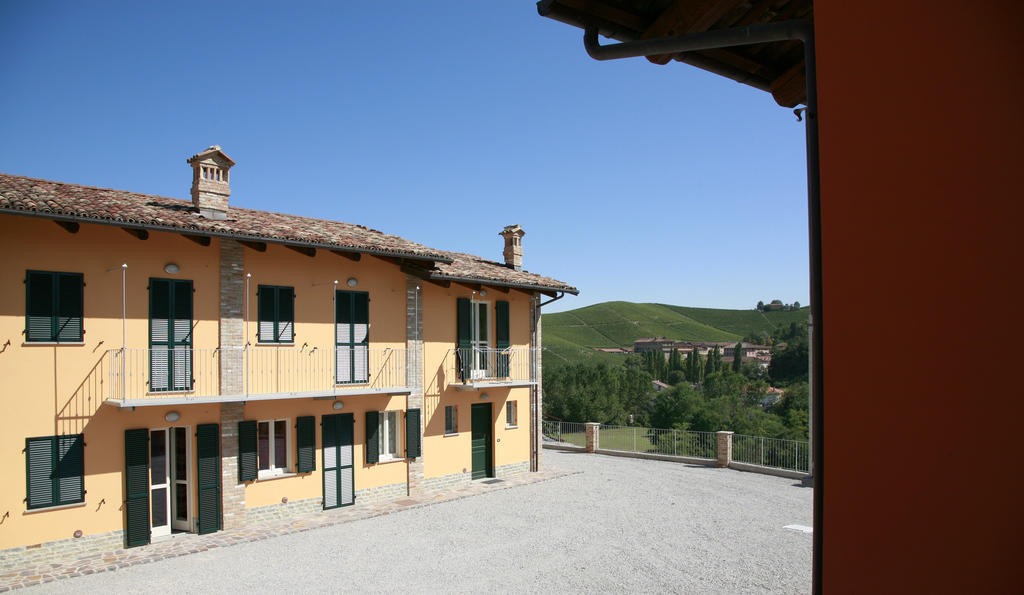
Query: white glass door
[159,488]
[180,467]
[480,340]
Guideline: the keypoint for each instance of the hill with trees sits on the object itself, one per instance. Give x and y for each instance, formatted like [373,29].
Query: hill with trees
[705,393]
[572,336]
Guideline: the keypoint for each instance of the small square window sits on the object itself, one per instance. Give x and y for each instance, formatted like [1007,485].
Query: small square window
[451,420]
[272,447]
[510,414]
[390,433]
[53,306]
[276,311]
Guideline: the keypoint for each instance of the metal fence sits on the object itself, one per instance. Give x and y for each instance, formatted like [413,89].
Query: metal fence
[567,433]
[771,452]
[702,445]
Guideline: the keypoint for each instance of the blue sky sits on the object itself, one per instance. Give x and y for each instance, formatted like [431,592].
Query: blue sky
[440,122]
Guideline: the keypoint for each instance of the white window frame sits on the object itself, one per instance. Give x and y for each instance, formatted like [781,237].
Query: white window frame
[511,410]
[385,430]
[271,452]
[455,420]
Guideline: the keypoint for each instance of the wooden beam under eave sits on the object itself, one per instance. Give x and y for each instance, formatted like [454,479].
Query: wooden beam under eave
[471,286]
[142,234]
[684,17]
[306,250]
[69,226]
[201,240]
[790,88]
[501,288]
[353,256]
[257,246]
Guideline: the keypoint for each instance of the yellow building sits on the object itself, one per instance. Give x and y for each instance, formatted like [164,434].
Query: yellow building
[191,366]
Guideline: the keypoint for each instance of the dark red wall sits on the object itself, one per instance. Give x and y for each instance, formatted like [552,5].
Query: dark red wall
[922,163]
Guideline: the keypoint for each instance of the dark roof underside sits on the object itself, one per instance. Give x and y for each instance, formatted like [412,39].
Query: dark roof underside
[775,67]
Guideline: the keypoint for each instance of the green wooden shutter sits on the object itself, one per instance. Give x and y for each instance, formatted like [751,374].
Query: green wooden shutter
[39,471]
[329,430]
[265,313]
[159,334]
[208,476]
[464,338]
[69,307]
[136,487]
[69,479]
[361,336]
[346,473]
[305,438]
[285,314]
[372,437]
[39,306]
[501,317]
[412,433]
[247,463]
[181,367]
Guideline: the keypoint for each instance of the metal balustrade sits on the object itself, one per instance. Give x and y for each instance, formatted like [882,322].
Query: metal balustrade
[566,433]
[680,443]
[260,370]
[771,452]
[469,365]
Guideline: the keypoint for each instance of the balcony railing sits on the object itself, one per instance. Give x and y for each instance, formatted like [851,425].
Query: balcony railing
[472,365]
[252,371]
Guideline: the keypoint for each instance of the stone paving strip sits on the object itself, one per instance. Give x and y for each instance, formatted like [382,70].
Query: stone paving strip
[182,544]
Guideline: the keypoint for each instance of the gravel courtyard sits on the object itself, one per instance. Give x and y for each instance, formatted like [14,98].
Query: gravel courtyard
[620,525]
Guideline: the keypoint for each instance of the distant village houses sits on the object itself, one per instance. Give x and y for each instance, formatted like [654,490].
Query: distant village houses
[760,353]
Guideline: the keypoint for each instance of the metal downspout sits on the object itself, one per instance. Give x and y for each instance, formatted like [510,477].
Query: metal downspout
[722,38]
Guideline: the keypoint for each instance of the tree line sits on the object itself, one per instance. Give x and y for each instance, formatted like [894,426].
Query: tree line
[704,394]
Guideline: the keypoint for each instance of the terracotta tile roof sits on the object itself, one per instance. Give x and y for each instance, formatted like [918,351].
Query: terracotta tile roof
[469,267]
[59,200]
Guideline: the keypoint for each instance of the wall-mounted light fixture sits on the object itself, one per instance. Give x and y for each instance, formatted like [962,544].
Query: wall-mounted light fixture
[77,533]
[337,405]
[172,416]
[352,282]
[483,293]
[485,396]
[171,268]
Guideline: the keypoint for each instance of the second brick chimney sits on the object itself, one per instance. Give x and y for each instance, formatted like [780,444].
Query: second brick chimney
[513,253]
[210,188]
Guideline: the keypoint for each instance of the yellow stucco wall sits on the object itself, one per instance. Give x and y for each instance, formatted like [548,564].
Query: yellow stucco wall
[445,455]
[310,485]
[60,389]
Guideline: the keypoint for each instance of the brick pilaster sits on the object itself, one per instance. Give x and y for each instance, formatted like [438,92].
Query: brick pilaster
[724,448]
[593,432]
[233,491]
[414,372]
[232,290]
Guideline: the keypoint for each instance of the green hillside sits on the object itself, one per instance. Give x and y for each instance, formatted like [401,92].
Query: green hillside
[572,336]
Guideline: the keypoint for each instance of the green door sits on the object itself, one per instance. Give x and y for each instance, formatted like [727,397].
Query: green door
[483,459]
[208,476]
[339,485]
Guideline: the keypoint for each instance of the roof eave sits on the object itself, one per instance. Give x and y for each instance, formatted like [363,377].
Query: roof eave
[221,234]
[496,283]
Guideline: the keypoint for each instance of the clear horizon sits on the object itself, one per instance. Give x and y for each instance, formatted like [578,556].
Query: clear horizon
[440,125]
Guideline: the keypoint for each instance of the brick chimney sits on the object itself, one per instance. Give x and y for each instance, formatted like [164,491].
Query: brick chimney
[210,189]
[513,253]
